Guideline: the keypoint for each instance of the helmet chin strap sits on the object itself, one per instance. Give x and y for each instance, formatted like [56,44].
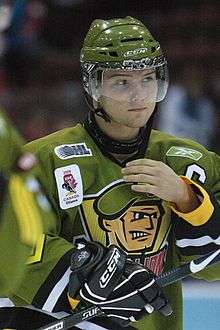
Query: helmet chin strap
[99,111]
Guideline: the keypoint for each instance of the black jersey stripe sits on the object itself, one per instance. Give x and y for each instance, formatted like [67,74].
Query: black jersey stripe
[54,277]
[62,303]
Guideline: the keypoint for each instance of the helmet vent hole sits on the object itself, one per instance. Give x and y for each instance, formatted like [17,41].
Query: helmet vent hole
[109,45]
[131,39]
[114,54]
[103,53]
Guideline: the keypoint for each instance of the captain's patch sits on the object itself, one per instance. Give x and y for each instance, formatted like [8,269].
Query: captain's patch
[66,151]
[184,152]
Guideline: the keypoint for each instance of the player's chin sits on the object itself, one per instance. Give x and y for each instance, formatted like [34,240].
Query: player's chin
[140,121]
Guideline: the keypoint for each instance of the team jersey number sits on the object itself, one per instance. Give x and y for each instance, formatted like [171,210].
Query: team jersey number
[195,169]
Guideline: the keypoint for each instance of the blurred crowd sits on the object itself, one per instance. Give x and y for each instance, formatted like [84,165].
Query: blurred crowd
[40,43]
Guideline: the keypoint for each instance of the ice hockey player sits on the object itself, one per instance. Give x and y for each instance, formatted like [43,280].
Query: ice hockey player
[20,224]
[141,201]
[23,209]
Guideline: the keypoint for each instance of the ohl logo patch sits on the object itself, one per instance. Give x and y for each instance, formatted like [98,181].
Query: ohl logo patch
[67,151]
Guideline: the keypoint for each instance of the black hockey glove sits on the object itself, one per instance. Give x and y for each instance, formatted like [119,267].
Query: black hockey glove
[123,289]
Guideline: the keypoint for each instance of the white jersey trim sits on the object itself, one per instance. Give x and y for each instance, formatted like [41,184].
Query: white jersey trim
[201,241]
[85,325]
[56,292]
[6,302]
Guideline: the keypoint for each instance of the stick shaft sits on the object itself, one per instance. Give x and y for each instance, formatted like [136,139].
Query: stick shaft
[192,267]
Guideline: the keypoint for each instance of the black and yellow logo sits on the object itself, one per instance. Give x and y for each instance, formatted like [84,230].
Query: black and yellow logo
[135,222]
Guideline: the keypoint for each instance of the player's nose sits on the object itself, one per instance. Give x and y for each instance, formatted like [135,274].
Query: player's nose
[137,93]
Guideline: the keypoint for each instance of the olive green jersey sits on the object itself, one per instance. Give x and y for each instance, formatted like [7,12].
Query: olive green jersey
[92,202]
[22,208]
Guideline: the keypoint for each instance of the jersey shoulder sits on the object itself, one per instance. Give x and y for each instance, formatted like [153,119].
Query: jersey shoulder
[180,153]
[173,145]
[67,136]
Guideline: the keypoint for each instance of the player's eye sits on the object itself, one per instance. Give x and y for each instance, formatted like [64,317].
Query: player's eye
[122,83]
[148,79]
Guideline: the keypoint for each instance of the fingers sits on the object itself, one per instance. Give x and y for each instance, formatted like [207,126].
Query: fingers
[144,170]
[138,170]
[140,178]
[143,161]
[155,178]
[144,188]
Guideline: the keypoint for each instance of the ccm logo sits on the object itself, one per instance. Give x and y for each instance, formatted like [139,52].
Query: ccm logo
[134,52]
[90,313]
[111,268]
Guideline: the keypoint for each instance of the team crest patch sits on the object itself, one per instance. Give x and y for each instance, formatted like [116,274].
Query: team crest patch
[184,152]
[66,151]
[69,186]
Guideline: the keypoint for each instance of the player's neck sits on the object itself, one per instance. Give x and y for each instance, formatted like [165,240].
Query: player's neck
[117,131]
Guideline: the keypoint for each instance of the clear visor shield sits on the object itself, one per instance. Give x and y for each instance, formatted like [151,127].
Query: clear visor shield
[139,87]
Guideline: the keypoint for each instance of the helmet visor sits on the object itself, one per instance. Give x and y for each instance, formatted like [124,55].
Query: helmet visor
[133,86]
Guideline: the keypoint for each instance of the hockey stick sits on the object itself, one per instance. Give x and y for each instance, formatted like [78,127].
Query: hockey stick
[165,279]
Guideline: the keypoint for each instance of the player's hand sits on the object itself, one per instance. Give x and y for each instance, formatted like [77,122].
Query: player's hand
[123,289]
[157,178]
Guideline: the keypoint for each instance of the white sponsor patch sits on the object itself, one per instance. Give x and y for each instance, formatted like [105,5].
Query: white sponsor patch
[66,151]
[184,152]
[69,186]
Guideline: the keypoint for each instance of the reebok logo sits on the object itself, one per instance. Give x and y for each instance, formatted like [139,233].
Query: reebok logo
[184,152]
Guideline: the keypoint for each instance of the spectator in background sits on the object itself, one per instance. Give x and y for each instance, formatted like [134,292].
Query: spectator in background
[187,111]
[22,40]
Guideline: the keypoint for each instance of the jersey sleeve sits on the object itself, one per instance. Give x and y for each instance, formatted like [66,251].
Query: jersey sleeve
[198,233]
[12,250]
[20,229]
[46,277]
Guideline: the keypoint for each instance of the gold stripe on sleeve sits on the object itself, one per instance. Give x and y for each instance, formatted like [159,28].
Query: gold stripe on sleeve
[202,213]
[26,210]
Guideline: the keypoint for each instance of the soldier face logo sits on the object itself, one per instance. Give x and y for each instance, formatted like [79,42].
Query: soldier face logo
[138,223]
[130,220]
[136,229]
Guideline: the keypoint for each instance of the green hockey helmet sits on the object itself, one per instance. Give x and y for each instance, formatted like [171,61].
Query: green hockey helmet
[120,44]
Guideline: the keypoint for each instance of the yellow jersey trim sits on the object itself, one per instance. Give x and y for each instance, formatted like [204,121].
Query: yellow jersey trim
[26,211]
[202,213]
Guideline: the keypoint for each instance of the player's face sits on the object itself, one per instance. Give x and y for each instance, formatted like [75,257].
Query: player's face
[129,97]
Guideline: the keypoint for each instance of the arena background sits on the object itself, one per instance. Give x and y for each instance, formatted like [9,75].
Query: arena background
[40,86]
